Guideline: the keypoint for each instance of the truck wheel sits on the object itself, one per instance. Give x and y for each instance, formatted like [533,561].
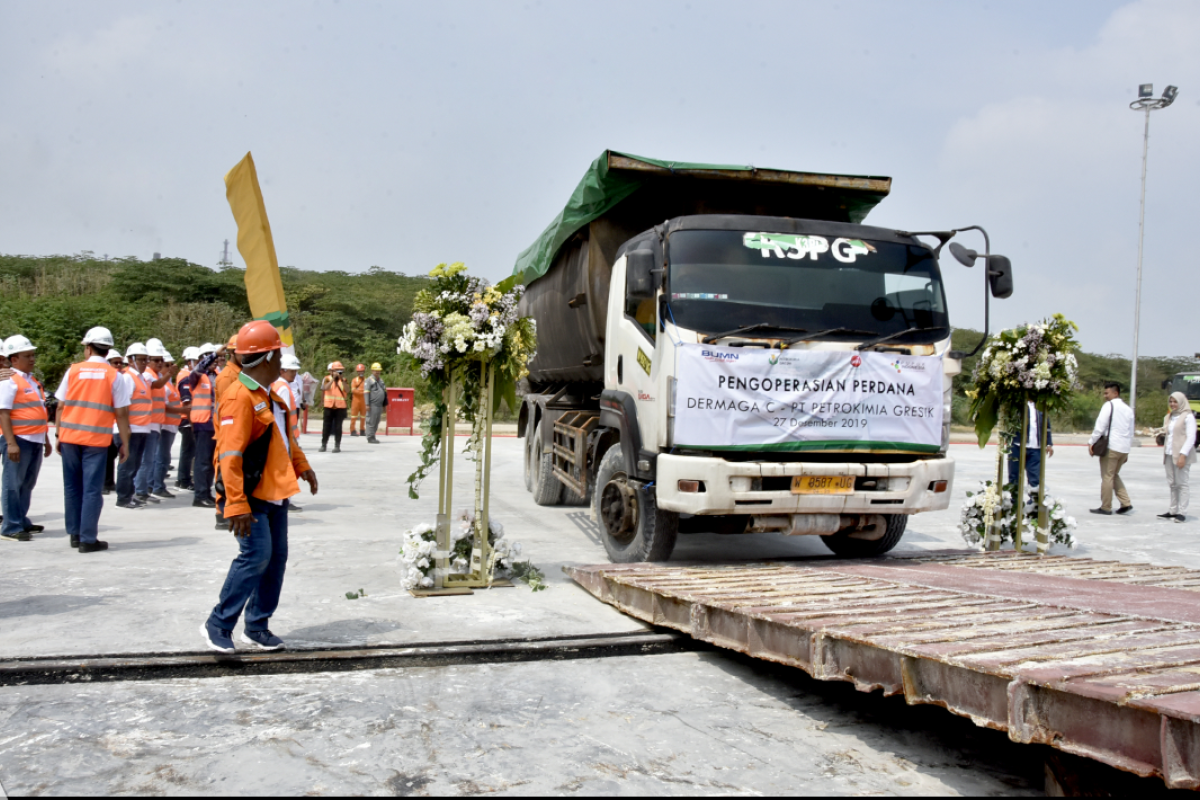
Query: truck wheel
[633,526]
[547,490]
[843,545]
[529,461]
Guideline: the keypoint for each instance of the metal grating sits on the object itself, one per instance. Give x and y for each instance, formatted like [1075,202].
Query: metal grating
[1100,659]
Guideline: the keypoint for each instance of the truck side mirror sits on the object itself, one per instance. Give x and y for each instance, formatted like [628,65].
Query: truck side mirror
[639,274]
[1000,276]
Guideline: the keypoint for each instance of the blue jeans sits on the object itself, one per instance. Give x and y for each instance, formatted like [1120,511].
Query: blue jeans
[16,488]
[1033,465]
[158,482]
[127,471]
[202,477]
[255,577]
[145,473]
[83,481]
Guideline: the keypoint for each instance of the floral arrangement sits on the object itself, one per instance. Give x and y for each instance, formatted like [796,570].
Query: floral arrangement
[461,322]
[418,553]
[988,505]
[1033,362]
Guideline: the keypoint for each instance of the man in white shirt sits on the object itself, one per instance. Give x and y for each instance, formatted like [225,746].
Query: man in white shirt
[1116,421]
[24,422]
[1033,449]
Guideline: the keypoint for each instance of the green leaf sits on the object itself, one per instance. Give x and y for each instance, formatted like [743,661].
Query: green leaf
[986,412]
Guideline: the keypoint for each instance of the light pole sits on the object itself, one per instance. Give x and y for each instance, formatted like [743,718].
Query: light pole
[1145,102]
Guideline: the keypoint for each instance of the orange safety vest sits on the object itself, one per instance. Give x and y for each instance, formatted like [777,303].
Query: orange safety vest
[284,390]
[141,405]
[87,413]
[172,398]
[245,415]
[158,398]
[335,395]
[202,400]
[29,407]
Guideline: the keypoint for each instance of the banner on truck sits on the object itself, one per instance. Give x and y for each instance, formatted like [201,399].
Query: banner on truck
[738,398]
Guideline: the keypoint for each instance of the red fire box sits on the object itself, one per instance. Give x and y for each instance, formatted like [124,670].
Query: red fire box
[400,409]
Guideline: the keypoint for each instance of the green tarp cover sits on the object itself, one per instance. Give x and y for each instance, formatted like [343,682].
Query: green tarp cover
[596,195]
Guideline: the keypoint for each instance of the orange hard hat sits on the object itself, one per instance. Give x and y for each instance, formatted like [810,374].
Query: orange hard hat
[257,336]
[360,368]
[232,343]
[337,365]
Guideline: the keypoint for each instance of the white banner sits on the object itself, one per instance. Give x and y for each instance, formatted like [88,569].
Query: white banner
[741,398]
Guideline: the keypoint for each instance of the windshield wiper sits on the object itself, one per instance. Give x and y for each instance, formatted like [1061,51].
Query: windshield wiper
[748,328]
[897,335]
[829,332]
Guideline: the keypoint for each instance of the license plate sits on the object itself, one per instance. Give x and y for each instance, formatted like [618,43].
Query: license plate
[822,484]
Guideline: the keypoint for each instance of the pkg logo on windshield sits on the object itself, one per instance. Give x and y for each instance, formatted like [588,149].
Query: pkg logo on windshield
[783,245]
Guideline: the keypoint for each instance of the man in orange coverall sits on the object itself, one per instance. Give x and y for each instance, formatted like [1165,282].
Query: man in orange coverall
[260,460]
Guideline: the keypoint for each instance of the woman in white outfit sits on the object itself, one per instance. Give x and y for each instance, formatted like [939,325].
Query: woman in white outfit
[1179,453]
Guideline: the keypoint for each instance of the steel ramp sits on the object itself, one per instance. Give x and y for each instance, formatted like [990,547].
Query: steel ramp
[1100,659]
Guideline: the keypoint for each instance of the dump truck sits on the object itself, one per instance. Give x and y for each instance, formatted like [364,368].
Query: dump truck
[729,349]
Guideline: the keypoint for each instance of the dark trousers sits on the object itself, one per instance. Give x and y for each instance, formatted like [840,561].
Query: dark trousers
[1033,465]
[83,481]
[202,477]
[187,455]
[332,423]
[128,471]
[16,487]
[110,463]
[255,577]
[158,478]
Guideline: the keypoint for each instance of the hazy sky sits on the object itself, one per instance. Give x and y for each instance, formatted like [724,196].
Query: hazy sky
[403,134]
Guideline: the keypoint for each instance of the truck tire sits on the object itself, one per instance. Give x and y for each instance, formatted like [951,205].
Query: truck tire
[632,525]
[529,461]
[843,545]
[547,490]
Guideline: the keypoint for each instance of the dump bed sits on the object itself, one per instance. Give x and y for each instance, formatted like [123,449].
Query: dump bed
[566,271]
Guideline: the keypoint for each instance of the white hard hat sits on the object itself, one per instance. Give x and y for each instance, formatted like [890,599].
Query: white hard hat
[137,349]
[154,348]
[206,348]
[114,353]
[17,344]
[191,353]
[167,357]
[99,335]
[289,361]
[153,342]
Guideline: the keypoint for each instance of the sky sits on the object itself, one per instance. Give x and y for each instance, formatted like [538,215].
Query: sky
[404,134]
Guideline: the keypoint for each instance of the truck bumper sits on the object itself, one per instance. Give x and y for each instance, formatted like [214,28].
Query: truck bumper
[728,487]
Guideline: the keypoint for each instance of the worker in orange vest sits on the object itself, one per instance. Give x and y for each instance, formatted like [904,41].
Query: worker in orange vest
[198,390]
[173,411]
[260,461]
[358,403]
[289,366]
[141,417]
[333,386]
[156,377]
[24,421]
[91,396]
[187,437]
[224,380]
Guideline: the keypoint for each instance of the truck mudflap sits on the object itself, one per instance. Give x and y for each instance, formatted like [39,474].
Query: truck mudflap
[703,485]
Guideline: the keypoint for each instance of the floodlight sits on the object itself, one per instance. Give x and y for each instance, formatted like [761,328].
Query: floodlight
[1146,90]
[1169,94]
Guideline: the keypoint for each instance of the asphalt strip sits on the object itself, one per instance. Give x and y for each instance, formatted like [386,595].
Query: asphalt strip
[206,664]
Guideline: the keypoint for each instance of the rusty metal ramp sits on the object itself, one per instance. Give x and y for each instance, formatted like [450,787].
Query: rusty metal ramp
[1099,659]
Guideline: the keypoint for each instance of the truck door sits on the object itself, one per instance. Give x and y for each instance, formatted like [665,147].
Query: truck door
[629,359]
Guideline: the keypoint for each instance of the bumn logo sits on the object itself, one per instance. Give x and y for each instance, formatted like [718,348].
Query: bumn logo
[711,356]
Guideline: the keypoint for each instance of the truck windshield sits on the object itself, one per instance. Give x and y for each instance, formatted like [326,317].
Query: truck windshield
[1189,384]
[723,280]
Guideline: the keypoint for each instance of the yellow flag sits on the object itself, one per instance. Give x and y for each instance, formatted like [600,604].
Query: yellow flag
[263,285]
